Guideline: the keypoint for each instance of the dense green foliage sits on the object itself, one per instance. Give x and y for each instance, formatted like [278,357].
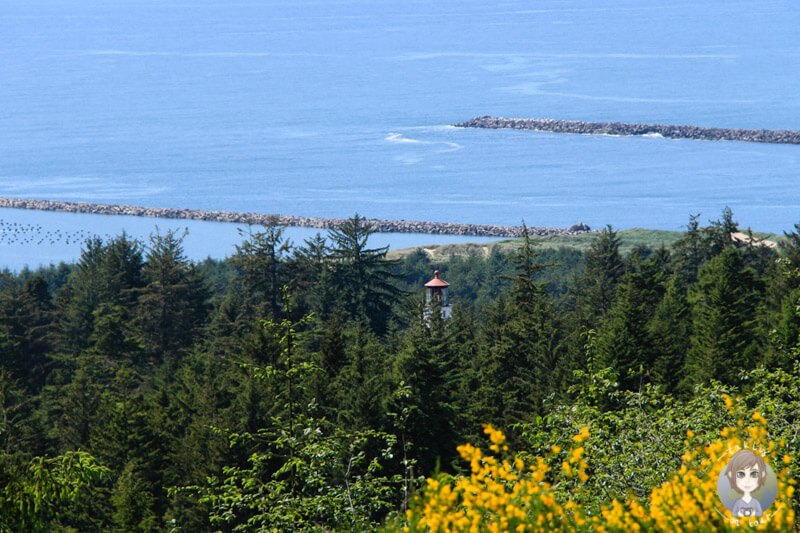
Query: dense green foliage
[310,386]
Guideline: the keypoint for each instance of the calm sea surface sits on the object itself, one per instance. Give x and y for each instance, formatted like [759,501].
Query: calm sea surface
[327,108]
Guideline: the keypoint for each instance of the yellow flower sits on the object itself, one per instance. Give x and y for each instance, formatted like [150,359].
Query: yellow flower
[728,403]
[495,436]
[582,436]
[505,496]
[576,455]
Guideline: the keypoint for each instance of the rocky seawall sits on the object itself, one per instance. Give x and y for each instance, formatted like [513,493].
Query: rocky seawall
[384,226]
[623,128]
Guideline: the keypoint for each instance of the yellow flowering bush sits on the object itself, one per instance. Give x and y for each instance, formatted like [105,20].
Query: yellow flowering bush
[507,492]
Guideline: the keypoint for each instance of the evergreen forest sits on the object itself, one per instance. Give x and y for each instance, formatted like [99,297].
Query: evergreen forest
[313,387]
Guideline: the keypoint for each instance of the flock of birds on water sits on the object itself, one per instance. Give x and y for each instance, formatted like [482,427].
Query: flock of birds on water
[12,233]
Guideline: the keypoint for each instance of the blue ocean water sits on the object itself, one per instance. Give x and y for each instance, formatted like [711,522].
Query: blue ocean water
[34,238]
[327,108]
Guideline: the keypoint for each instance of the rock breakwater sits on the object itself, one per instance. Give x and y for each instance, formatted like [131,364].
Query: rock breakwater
[623,128]
[384,226]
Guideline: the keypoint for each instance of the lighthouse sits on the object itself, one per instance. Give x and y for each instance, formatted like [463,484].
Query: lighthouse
[436,291]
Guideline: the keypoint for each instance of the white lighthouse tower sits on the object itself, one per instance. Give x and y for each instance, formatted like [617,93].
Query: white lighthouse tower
[436,291]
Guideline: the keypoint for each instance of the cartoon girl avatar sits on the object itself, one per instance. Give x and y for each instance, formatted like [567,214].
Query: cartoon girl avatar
[746,472]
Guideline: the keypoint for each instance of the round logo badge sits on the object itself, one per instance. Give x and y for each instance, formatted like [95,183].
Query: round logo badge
[747,486]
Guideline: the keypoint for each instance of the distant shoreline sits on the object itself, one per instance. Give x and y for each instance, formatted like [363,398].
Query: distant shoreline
[624,128]
[383,226]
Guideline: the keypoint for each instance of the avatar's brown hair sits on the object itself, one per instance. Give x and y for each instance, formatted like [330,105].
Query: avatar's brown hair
[746,459]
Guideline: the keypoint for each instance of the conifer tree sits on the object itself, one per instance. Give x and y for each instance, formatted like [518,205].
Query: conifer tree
[75,406]
[790,247]
[719,234]
[604,269]
[507,373]
[787,333]
[724,337]
[534,319]
[127,439]
[363,276]
[133,502]
[782,280]
[526,292]
[22,430]
[464,330]
[756,253]
[194,408]
[114,337]
[521,349]
[623,341]
[331,359]
[260,261]
[25,324]
[362,386]
[425,369]
[688,253]
[172,306]
[669,332]
[106,273]
[121,270]
[592,294]
[312,278]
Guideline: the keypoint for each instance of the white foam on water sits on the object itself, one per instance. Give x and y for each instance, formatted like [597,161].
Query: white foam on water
[399,138]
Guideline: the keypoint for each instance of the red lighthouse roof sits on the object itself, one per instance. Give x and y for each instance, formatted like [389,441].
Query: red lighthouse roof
[436,282]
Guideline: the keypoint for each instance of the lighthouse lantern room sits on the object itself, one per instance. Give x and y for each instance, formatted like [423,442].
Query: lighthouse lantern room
[436,290]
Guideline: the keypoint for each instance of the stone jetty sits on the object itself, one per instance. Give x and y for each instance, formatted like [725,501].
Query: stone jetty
[623,128]
[384,226]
